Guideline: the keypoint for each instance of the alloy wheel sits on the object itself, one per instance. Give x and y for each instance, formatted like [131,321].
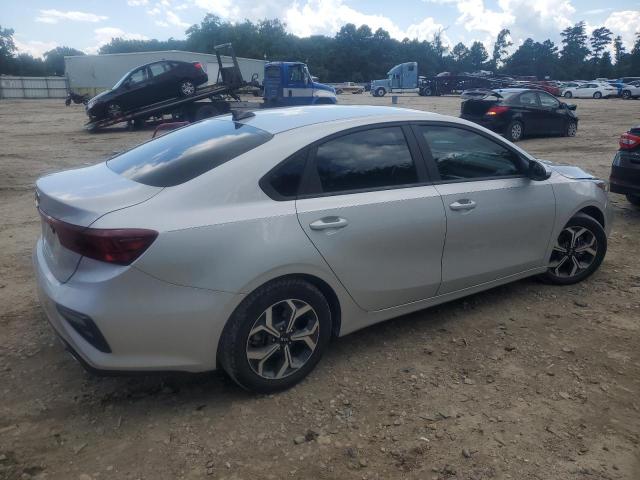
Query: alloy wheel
[516,131]
[187,89]
[114,110]
[574,252]
[283,339]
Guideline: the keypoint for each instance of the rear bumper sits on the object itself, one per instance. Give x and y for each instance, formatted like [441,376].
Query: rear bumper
[625,173]
[149,325]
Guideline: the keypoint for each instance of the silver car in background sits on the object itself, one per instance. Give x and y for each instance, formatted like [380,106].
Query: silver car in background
[248,243]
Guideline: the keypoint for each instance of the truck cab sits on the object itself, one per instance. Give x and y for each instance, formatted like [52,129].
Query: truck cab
[290,83]
[401,78]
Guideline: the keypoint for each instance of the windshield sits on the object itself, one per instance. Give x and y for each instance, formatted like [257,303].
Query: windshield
[121,81]
[188,152]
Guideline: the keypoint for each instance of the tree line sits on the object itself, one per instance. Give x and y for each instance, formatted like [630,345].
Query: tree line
[359,54]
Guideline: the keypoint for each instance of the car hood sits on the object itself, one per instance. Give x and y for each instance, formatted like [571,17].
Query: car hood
[569,171]
[100,96]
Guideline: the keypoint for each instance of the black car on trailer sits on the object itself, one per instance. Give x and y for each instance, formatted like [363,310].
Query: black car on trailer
[625,171]
[516,112]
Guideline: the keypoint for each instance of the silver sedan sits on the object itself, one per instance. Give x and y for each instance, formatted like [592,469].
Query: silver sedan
[248,244]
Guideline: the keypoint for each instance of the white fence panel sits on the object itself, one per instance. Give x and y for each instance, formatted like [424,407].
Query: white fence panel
[33,87]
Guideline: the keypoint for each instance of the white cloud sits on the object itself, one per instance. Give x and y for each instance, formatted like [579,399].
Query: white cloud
[174,19]
[34,48]
[626,24]
[105,34]
[137,3]
[54,16]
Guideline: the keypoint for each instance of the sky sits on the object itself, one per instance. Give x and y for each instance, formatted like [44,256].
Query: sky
[87,24]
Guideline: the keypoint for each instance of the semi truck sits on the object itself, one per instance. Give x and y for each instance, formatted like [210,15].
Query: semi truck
[400,79]
[285,84]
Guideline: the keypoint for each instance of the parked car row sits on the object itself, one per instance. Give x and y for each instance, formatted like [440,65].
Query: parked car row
[627,88]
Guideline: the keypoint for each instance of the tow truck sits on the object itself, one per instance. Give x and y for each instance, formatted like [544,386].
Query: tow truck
[286,83]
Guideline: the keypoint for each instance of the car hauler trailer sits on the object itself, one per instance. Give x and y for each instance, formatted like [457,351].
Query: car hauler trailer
[289,84]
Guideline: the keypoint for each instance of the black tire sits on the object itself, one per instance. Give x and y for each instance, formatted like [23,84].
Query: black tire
[597,95]
[515,131]
[568,94]
[380,92]
[428,92]
[580,221]
[634,199]
[571,129]
[234,344]
[186,88]
[626,94]
[114,110]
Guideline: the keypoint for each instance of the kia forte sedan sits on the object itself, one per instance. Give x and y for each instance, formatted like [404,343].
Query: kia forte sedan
[248,244]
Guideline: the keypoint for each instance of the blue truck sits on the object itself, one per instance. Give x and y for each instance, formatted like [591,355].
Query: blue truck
[285,84]
[290,83]
[400,79]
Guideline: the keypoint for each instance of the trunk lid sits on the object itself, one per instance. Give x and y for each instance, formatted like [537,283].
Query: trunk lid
[79,197]
[477,107]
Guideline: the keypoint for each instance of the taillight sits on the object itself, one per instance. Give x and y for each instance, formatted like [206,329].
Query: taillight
[198,65]
[112,245]
[496,110]
[629,141]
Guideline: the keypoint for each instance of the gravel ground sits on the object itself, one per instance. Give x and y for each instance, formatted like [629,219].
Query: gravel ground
[526,381]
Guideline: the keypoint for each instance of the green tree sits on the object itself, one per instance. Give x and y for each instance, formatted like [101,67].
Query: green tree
[500,48]
[600,39]
[574,51]
[477,56]
[618,48]
[54,59]
[7,49]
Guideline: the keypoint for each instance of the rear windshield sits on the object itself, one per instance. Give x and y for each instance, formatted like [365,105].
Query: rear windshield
[180,156]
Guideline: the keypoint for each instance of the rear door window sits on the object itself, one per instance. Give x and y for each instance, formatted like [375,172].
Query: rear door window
[158,69]
[184,154]
[365,160]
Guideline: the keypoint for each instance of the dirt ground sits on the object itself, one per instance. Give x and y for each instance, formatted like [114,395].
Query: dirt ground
[526,381]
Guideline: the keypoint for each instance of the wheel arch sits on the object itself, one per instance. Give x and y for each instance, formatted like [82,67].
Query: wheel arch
[594,212]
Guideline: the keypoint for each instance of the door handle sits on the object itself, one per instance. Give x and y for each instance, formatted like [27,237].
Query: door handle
[329,222]
[463,205]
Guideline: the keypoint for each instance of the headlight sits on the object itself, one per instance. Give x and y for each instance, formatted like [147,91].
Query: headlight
[602,185]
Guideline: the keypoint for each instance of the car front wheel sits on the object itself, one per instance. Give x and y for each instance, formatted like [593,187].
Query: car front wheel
[114,110]
[571,129]
[597,95]
[186,88]
[276,336]
[578,251]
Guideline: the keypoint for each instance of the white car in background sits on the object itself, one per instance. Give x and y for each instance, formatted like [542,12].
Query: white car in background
[591,90]
[631,90]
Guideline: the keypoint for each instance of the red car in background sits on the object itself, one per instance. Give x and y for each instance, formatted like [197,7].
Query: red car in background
[549,87]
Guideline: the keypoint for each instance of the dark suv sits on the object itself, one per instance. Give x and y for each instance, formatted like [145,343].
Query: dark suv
[146,85]
[625,171]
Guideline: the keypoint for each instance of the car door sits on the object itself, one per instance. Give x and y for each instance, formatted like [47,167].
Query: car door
[159,83]
[499,222]
[532,114]
[553,115]
[296,91]
[135,90]
[369,210]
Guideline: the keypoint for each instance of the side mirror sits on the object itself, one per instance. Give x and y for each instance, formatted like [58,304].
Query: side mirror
[538,171]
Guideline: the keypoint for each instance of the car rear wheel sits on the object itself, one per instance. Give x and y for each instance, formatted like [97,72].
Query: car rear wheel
[578,251]
[276,336]
[515,131]
[568,94]
[626,94]
[186,88]
[597,95]
[571,129]
[634,199]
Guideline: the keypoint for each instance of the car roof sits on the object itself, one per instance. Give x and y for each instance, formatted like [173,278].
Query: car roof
[277,120]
